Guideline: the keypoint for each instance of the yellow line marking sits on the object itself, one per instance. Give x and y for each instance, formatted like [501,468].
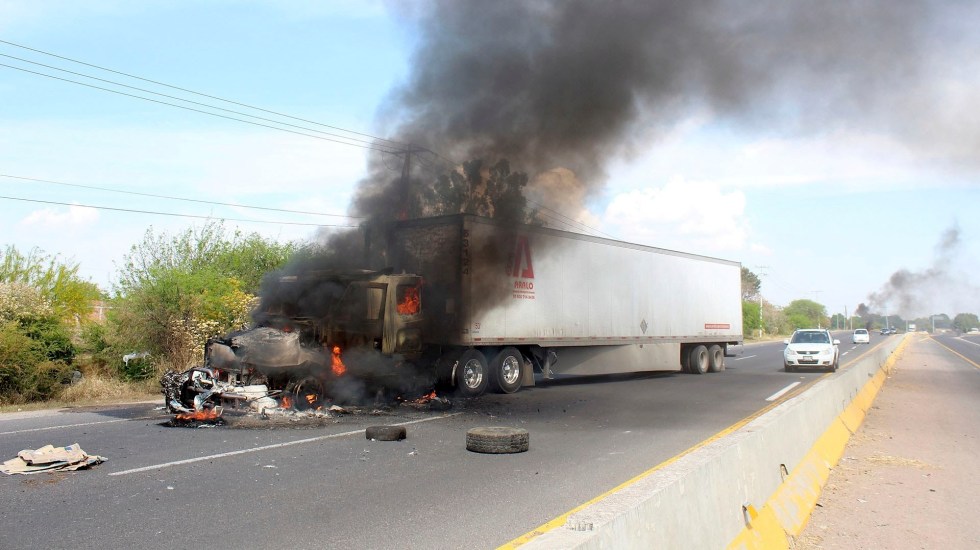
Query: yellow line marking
[975,365]
[563,519]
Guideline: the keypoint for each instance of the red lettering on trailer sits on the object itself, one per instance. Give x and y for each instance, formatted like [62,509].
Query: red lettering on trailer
[523,267]
[717,326]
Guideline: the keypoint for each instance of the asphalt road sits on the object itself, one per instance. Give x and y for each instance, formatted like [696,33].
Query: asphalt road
[326,486]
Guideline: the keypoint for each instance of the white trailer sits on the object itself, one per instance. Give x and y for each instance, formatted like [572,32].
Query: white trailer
[500,299]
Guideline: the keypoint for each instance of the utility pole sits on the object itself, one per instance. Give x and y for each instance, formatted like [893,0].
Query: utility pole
[407,202]
[761,274]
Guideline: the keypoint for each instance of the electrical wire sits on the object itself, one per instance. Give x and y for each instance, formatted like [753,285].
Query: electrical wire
[400,144]
[402,148]
[233,205]
[174,214]
[186,100]
[370,147]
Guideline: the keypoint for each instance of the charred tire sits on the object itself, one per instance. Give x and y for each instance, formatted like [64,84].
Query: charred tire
[307,394]
[697,361]
[497,440]
[716,358]
[472,374]
[506,370]
[385,433]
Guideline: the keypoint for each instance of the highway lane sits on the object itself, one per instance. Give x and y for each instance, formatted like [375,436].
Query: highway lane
[327,486]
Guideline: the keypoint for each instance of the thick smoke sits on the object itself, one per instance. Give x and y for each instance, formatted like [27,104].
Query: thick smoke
[937,289]
[576,84]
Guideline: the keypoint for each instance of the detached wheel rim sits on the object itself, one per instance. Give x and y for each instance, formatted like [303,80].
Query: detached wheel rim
[473,374]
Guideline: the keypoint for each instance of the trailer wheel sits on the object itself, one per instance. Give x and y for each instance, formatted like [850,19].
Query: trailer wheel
[385,433]
[472,374]
[497,440]
[697,361]
[505,370]
[716,358]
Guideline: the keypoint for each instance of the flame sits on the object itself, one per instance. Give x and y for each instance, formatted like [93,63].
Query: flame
[336,365]
[204,415]
[310,398]
[410,302]
[286,402]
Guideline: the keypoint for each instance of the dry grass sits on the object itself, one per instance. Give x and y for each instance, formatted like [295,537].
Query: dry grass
[94,389]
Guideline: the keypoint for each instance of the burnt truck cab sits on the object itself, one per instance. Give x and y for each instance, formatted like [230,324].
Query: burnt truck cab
[382,312]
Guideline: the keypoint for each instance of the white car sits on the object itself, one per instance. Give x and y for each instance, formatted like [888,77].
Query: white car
[811,348]
[861,336]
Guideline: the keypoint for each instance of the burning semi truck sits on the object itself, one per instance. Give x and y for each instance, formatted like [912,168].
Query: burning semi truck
[475,304]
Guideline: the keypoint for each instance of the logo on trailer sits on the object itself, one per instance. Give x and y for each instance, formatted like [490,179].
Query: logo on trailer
[523,270]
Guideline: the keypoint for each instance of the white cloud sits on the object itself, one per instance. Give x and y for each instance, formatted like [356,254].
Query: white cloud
[691,216]
[61,218]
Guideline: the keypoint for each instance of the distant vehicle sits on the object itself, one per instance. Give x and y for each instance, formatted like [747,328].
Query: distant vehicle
[974,330]
[811,348]
[861,336]
[911,328]
[888,330]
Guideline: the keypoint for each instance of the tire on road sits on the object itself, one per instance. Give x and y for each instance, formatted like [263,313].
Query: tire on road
[506,370]
[497,440]
[385,433]
[697,360]
[716,358]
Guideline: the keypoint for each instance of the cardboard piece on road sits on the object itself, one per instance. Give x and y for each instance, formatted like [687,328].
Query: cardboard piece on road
[50,459]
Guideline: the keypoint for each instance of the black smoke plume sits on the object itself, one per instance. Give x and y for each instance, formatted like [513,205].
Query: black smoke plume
[936,289]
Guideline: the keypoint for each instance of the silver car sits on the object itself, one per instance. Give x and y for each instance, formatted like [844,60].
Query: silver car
[811,348]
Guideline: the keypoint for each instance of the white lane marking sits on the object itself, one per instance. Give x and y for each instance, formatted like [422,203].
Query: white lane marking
[968,341]
[70,426]
[845,353]
[746,357]
[267,447]
[780,393]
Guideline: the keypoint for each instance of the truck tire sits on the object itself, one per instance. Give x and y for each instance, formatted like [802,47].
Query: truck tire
[716,358]
[306,394]
[506,370]
[472,374]
[385,433]
[697,361]
[497,440]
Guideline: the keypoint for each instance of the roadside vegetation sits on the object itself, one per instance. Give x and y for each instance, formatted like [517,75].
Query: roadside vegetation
[62,340]
[65,342]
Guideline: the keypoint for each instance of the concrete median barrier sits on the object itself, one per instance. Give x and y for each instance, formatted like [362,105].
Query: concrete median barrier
[752,486]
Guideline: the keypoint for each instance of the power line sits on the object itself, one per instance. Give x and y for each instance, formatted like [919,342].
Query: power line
[557,216]
[400,144]
[133,210]
[193,109]
[185,100]
[233,205]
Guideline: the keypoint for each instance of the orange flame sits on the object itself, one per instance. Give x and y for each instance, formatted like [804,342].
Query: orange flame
[411,302]
[336,365]
[207,414]
[286,402]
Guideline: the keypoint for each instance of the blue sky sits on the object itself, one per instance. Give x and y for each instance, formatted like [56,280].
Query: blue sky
[828,214]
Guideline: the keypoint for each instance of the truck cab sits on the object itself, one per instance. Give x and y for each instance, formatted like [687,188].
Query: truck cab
[383,313]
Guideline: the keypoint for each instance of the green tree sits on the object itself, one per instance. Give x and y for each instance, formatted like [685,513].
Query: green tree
[751,285]
[491,190]
[806,314]
[175,291]
[966,321]
[35,346]
[751,317]
[57,280]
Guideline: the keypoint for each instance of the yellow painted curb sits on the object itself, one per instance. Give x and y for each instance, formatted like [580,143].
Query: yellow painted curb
[789,508]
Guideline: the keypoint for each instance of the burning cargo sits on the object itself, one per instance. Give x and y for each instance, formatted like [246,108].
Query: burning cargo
[475,304]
